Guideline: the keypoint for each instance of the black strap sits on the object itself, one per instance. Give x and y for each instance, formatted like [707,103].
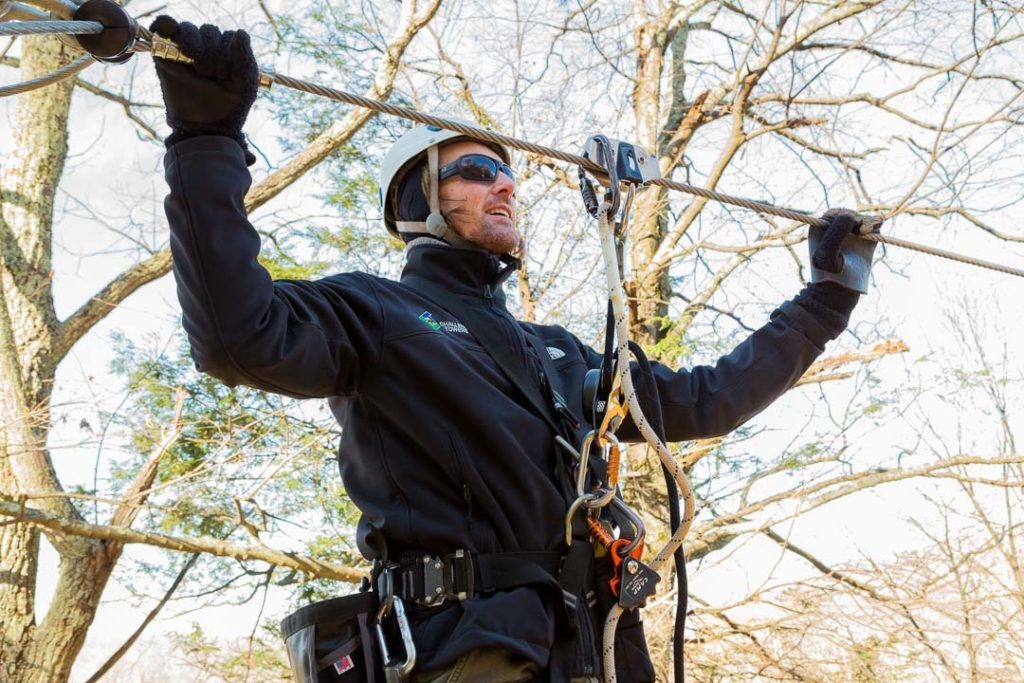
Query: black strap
[412,577]
[481,325]
[552,384]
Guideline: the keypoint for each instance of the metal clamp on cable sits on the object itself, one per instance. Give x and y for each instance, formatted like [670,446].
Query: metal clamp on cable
[624,161]
[115,44]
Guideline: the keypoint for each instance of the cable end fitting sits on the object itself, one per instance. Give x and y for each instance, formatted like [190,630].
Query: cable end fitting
[114,45]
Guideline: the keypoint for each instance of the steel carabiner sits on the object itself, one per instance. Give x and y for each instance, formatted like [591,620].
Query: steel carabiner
[395,670]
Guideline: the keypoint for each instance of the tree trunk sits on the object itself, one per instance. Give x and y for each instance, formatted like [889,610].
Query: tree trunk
[649,291]
[28,328]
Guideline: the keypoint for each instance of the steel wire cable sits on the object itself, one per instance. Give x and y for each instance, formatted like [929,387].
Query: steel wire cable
[55,76]
[491,136]
[49,27]
[167,50]
[19,10]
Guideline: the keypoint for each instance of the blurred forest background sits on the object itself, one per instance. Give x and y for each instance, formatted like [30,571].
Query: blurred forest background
[155,525]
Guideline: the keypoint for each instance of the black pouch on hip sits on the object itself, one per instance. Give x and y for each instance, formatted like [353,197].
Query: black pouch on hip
[334,641]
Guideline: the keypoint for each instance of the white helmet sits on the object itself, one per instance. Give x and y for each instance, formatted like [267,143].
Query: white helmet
[408,151]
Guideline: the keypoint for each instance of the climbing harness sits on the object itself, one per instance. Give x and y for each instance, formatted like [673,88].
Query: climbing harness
[106,19]
[108,34]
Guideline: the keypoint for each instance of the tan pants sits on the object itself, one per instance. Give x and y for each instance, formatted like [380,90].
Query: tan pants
[493,665]
[490,665]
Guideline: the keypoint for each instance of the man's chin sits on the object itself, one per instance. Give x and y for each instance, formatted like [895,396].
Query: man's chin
[499,239]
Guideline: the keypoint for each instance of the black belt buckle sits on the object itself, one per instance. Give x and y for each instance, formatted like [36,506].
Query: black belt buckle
[446,578]
[433,580]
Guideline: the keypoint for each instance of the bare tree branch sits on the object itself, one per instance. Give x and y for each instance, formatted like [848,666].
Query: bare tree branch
[199,544]
[341,132]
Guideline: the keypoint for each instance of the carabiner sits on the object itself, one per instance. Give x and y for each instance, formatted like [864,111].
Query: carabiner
[615,411]
[584,463]
[585,499]
[395,671]
[598,148]
[611,449]
[634,520]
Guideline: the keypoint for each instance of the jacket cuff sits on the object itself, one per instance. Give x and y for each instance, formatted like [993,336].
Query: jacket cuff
[818,331]
[203,143]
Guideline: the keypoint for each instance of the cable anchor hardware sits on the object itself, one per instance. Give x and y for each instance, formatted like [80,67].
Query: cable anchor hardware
[116,43]
[631,163]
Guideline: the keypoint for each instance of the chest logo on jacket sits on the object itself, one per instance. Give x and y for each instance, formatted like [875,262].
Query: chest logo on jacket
[429,321]
[447,325]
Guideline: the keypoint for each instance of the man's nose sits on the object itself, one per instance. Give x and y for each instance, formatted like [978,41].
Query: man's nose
[504,185]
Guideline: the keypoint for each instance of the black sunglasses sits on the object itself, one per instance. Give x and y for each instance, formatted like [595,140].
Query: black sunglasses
[479,167]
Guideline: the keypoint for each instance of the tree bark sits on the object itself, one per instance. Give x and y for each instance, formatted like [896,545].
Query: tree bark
[32,170]
[649,292]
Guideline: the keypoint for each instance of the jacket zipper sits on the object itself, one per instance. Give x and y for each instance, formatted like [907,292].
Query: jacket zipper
[460,468]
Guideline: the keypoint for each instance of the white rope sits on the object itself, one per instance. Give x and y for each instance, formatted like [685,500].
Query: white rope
[617,295]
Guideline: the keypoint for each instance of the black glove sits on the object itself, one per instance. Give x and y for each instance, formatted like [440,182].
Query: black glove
[837,254]
[213,95]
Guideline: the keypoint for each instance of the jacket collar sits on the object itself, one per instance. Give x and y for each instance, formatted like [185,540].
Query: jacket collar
[460,270]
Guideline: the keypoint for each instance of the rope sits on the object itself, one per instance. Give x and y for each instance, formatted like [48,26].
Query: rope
[43,28]
[60,74]
[167,50]
[617,295]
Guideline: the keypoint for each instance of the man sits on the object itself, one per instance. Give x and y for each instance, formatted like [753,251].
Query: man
[447,457]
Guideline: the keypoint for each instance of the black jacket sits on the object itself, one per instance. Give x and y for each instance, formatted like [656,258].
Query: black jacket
[438,450]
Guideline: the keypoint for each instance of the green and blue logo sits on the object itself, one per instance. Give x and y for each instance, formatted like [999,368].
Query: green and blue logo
[429,321]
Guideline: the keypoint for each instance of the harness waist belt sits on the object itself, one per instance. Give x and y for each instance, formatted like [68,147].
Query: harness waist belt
[431,580]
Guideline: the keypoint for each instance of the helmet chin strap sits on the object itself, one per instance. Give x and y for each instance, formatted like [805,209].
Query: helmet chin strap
[435,225]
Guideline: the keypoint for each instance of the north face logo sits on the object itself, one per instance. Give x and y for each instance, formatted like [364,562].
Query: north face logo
[555,353]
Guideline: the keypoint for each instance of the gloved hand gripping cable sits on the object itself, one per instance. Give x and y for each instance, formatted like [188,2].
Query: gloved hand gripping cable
[118,36]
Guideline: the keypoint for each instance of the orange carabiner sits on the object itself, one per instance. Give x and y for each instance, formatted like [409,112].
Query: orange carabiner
[616,553]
